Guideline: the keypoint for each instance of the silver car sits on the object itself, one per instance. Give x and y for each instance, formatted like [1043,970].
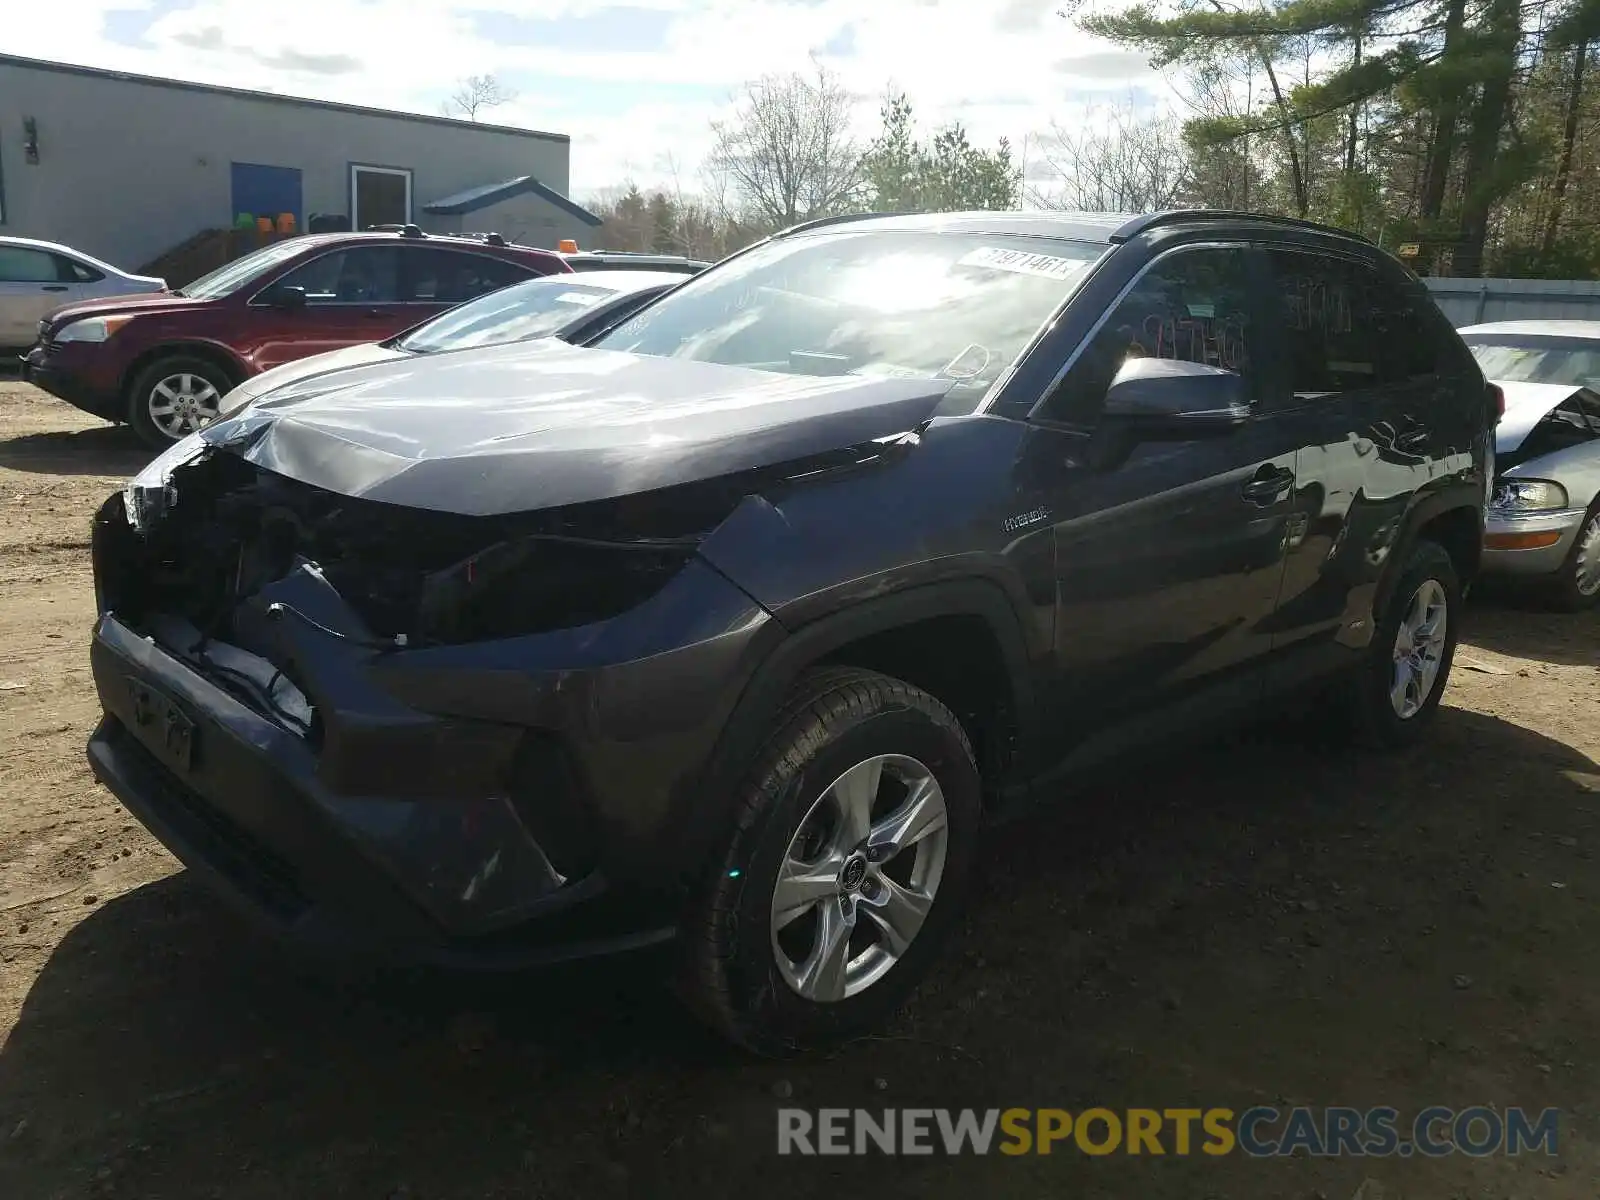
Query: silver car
[1544,516]
[36,278]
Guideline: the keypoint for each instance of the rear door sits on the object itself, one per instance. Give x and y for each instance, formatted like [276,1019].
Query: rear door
[440,277]
[31,285]
[1168,560]
[1359,365]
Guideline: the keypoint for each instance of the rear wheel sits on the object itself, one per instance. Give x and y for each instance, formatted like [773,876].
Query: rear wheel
[846,867]
[173,397]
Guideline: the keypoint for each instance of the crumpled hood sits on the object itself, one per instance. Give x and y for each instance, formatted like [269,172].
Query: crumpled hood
[301,369]
[541,424]
[1526,406]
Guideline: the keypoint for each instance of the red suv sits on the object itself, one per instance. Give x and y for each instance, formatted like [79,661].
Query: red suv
[162,362]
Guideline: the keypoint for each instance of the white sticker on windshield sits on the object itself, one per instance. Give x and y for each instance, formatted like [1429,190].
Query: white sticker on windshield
[1022,262]
[579,298]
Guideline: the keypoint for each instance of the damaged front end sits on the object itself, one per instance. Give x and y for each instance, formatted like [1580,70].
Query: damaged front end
[441,724]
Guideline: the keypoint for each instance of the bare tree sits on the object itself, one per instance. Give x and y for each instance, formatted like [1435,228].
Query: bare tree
[476,93]
[787,153]
[1117,161]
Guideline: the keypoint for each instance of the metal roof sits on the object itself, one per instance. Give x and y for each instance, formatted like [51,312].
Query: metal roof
[43,64]
[486,194]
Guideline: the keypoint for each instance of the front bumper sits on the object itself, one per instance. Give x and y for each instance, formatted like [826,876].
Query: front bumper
[54,369]
[457,806]
[1535,543]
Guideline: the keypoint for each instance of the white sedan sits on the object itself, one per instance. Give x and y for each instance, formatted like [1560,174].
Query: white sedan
[1544,517]
[36,278]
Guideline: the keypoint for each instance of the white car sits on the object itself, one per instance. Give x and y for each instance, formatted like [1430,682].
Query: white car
[36,278]
[1544,517]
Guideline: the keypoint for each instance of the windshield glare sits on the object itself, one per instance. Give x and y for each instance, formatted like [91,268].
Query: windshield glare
[1539,360]
[230,277]
[920,304]
[523,310]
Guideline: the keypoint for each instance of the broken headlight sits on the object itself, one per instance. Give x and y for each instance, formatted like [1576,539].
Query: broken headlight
[150,493]
[538,583]
[1528,495]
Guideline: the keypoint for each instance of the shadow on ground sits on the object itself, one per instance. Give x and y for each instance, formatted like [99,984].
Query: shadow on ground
[110,450]
[1271,920]
[1521,625]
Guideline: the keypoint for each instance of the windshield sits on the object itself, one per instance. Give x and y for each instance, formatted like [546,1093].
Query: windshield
[1538,360]
[920,304]
[230,277]
[523,310]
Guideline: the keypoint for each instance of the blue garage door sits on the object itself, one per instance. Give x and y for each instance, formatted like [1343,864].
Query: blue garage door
[264,191]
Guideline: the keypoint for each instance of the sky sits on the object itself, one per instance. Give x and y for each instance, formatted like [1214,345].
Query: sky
[636,84]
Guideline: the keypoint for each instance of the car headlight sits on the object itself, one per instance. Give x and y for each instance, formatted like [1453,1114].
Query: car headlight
[149,493]
[1528,495]
[90,329]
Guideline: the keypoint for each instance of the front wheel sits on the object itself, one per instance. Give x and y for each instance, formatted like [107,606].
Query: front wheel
[1577,585]
[1396,692]
[852,845]
[173,397]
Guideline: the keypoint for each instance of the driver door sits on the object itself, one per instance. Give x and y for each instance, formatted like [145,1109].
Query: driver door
[353,295]
[1169,553]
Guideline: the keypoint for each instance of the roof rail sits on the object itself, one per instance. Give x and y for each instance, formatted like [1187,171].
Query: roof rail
[838,219]
[1177,216]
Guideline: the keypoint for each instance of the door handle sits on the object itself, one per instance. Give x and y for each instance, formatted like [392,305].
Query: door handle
[1268,484]
[54,287]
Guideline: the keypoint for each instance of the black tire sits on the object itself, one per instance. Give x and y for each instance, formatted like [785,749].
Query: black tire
[1376,722]
[1564,591]
[144,384]
[832,720]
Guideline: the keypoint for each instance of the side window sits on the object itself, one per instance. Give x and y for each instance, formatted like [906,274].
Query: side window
[440,276]
[69,270]
[1193,306]
[19,264]
[1347,327]
[359,275]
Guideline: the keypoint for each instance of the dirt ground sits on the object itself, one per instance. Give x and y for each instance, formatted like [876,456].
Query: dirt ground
[1273,921]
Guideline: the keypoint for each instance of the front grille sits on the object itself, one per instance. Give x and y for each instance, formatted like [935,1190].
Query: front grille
[253,867]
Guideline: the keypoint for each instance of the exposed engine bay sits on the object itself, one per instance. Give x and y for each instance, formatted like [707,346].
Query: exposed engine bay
[227,529]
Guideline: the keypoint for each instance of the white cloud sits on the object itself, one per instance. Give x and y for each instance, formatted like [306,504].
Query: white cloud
[1002,67]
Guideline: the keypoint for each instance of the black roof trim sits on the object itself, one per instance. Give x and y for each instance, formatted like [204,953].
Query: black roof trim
[41,64]
[1179,216]
[839,219]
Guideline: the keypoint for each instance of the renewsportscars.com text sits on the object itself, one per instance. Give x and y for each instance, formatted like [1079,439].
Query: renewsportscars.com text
[1259,1132]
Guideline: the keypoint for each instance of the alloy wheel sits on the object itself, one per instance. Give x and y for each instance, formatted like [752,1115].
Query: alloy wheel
[859,877]
[182,403]
[1586,562]
[1419,646]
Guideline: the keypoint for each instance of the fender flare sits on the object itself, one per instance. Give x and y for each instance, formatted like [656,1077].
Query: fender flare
[751,717]
[1426,509]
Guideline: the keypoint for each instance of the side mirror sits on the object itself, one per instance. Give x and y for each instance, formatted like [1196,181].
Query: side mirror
[286,297]
[1160,399]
